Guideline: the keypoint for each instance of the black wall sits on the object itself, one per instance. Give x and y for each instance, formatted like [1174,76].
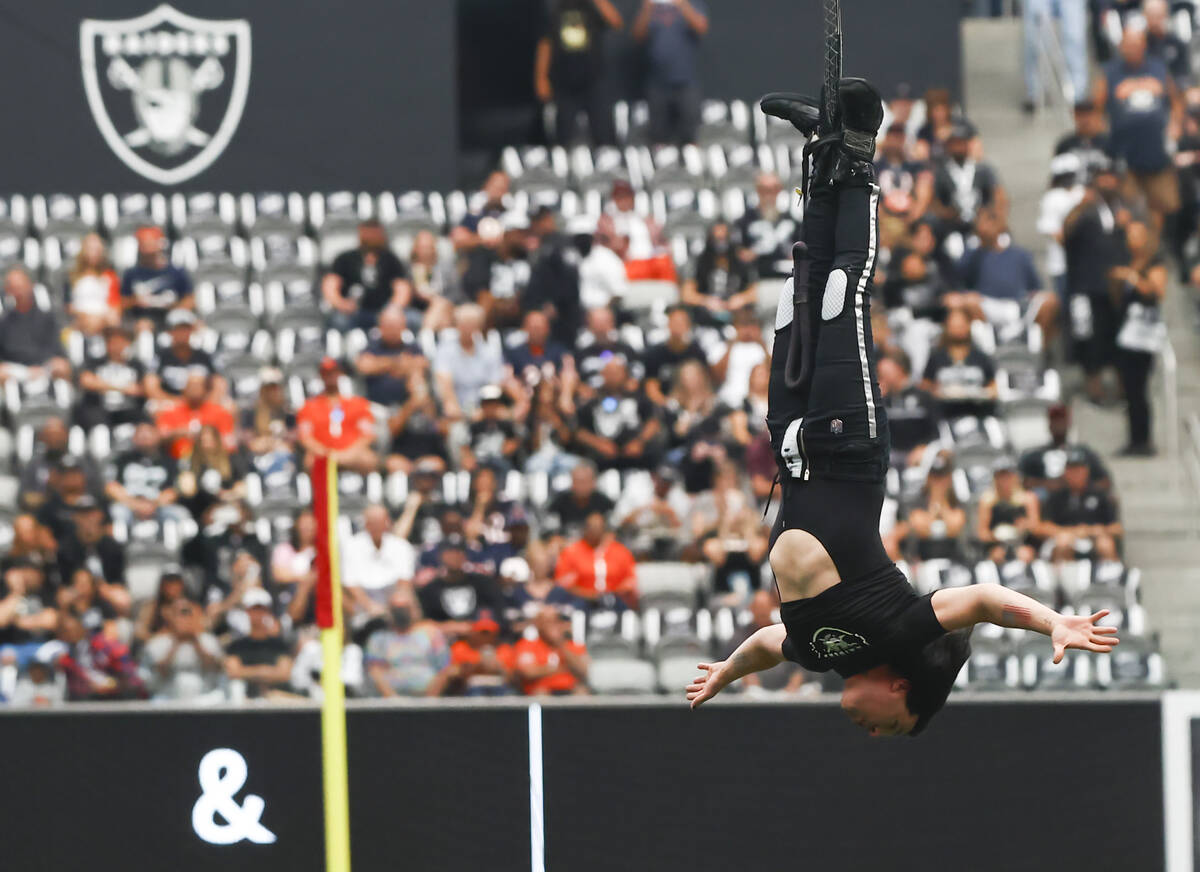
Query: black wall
[1010,787]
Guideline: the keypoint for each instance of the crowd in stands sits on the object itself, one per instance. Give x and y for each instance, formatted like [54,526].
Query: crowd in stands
[536,405]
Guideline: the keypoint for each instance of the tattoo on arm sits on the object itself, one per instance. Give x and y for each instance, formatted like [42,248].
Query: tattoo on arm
[1011,611]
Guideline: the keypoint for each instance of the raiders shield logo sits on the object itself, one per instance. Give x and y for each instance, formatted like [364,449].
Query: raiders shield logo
[830,642]
[166,89]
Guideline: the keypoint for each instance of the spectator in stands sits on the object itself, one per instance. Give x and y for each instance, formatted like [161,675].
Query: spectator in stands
[261,660]
[153,286]
[1080,518]
[209,474]
[913,413]
[548,433]
[1008,516]
[457,596]
[1140,289]
[492,437]
[597,345]
[50,450]
[389,360]
[177,362]
[338,426]
[527,586]
[1066,191]
[418,431]
[729,532]
[663,360]
[1145,110]
[365,280]
[959,374]
[90,546]
[905,184]
[723,283]
[1042,468]
[112,390]
[671,31]
[182,420]
[998,269]
[93,289]
[646,255]
[495,205]
[569,67]
[83,597]
[465,362]
[619,425]
[227,555]
[1072,18]
[568,510]
[30,349]
[742,353]
[786,678]
[766,230]
[1094,242]
[550,664]
[496,271]
[554,277]
[434,282]
[540,356]
[1089,142]
[603,280]
[32,545]
[293,566]
[475,662]
[143,482]
[1162,42]
[698,426]
[269,426]
[597,568]
[963,185]
[66,492]
[651,522]
[184,659]
[27,616]
[408,657]
[153,614]
[375,563]
[914,282]
[939,125]
[96,663]
[938,519]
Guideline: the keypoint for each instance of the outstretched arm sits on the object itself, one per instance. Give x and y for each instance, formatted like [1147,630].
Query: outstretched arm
[761,651]
[960,607]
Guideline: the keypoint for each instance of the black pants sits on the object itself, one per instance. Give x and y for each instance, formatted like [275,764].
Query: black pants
[674,113]
[1134,368]
[593,103]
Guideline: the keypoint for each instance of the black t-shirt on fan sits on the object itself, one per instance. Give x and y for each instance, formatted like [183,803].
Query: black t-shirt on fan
[369,279]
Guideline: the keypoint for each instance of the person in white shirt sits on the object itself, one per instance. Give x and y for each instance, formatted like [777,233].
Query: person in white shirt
[374,562]
[732,364]
[602,274]
[646,256]
[1064,194]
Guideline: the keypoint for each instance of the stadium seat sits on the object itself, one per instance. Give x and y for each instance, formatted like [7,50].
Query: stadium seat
[203,214]
[65,218]
[676,673]
[273,214]
[622,675]
[664,585]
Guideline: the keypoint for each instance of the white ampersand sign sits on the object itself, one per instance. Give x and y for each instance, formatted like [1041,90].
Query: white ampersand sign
[222,774]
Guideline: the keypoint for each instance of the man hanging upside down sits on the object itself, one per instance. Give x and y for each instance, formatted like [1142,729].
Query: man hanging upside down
[845,605]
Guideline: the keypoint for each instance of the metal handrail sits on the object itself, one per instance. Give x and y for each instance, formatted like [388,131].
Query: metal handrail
[1170,374]
[1052,63]
[1191,456]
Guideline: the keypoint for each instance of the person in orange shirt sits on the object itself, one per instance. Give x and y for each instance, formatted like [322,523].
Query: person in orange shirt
[183,420]
[477,662]
[597,565]
[551,664]
[337,426]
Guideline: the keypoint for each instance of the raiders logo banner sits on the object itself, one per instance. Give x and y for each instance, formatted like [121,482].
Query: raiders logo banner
[166,89]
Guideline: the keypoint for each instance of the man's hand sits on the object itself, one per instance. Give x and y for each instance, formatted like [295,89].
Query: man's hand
[707,685]
[1081,632]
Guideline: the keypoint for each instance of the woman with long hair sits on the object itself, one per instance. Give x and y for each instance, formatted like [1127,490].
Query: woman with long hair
[432,279]
[698,428]
[209,475]
[938,518]
[93,289]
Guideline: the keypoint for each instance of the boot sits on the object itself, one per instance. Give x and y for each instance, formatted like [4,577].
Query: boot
[800,111]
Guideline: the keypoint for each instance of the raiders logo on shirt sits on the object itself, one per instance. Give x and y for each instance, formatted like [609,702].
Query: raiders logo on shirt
[830,642]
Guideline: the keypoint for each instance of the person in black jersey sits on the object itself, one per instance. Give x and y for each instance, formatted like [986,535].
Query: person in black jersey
[845,605]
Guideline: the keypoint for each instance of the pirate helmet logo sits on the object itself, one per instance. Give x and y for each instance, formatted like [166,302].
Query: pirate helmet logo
[166,90]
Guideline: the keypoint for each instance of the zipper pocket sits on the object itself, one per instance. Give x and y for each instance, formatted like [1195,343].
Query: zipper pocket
[803,456]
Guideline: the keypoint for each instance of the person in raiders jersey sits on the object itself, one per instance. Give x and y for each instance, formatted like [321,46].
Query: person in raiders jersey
[845,606]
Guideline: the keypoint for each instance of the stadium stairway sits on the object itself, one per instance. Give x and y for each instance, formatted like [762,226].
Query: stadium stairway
[1159,501]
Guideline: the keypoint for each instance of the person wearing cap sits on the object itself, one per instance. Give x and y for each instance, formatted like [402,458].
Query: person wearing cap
[268,427]
[1080,519]
[51,447]
[1066,191]
[670,32]
[1089,141]
[389,360]
[91,546]
[153,286]
[1145,111]
[181,422]
[475,662]
[31,349]
[338,426]
[962,184]
[1042,468]
[177,362]
[66,491]
[409,656]
[902,179]
[603,280]
[465,362]
[569,67]
[365,280]
[260,659]
[492,437]
[596,346]
[551,664]
[646,255]
[651,522]
[111,386]
[619,426]
[457,596]
[1007,516]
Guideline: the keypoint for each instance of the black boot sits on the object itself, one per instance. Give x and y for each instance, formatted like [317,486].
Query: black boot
[861,114]
[800,111]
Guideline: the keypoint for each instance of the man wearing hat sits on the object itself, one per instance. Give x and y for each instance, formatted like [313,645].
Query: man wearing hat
[456,597]
[1080,519]
[963,185]
[179,360]
[338,426]
[493,435]
[153,285]
[1089,142]
[646,257]
[260,659]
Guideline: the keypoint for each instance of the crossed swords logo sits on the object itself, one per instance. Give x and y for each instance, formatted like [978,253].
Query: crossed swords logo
[166,100]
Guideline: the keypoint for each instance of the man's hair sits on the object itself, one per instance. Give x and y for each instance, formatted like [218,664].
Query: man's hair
[932,673]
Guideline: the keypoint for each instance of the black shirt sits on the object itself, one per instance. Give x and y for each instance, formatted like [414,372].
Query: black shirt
[721,274]
[1094,244]
[662,362]
[1050,462]
[29,338]
[967,188]
[463,599]
[593,355]
[104,559]
[487,438]
[1092,152]
[145,475]
[1067,508]
[173,371]
[554,281]
[114,405]
[913,417]
[258,652]
[619,417]
[962,383]
[770,241]
[575,29]
[853,627]
[368,283]
[566,516]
